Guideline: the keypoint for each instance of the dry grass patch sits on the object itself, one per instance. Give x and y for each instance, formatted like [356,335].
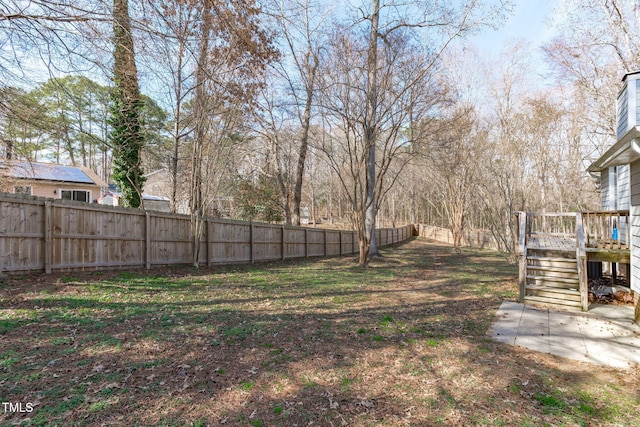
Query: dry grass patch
[321,343]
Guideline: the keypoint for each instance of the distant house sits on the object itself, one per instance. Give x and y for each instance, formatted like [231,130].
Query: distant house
[154,203]
[50,180]
[159,183]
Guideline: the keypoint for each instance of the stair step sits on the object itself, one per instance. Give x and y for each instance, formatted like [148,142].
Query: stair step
[553,302]
[552,269]
[554,293]
[552,285]
[556,259]
[554,290]
[554,279]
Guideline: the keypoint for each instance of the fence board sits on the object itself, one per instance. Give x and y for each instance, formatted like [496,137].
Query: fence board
[267,242]
[477,239]
[45,234]
[295,243]
[22,230]
[333,242]
[231,242]
[315,242]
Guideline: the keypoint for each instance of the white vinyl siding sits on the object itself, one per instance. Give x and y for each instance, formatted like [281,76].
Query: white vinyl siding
[622,202]
[623,112]
[635,226]
[604,189]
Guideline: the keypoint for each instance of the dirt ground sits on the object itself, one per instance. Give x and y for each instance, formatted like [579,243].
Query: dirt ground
[298,343]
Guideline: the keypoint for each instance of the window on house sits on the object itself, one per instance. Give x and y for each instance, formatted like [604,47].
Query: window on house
[22,189]
[77,195]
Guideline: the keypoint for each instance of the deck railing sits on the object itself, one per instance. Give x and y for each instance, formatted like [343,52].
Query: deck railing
[552,230]
[607,229]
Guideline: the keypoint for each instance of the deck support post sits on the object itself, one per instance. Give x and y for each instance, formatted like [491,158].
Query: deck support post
[584,283]
[581,258]
[522,254]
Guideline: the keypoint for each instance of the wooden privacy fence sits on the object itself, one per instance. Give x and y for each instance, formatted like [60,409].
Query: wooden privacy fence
[474,239]
[44,235]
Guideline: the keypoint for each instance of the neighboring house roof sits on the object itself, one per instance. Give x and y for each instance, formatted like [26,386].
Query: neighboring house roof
[155,172]
[117,195]
[50,172]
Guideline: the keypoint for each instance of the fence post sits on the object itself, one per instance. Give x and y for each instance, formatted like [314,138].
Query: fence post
[306,243]
[326,245]
[251,243]
[282,242]
[47,236]
[206,242]
[147,241]
[340,240]
[353,242]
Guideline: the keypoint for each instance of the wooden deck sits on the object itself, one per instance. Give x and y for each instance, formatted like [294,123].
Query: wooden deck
[565,243]
[554,249]
[551,242]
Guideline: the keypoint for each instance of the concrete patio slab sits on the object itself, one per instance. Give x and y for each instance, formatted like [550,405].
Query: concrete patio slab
[606,335]
[565,337]
[506,329]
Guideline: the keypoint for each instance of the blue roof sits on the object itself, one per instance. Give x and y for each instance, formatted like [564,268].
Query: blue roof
[49,172]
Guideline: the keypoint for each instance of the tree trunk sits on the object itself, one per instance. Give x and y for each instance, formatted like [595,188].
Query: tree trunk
[304,143]
[370,134]
[200,101]
[176,131]
[127,138]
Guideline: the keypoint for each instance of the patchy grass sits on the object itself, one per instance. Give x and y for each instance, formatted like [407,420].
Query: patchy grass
[300,343]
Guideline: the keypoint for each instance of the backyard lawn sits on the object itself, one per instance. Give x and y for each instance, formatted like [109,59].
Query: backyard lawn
[298,343]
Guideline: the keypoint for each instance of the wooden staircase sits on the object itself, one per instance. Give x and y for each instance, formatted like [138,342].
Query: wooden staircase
[554,249]
[552,279]
[553,260]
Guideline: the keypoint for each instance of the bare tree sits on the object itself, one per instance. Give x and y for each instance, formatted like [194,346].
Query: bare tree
[171,51]
[228,75]
[406,89]
[372,135]
[286,117]
[598,43]
[68,36]
[457,155]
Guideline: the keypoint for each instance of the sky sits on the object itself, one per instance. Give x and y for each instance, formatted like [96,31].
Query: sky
[530,21]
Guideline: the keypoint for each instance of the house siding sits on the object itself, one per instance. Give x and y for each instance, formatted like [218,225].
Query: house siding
[622,203]
[52,189]
[623,113]
[604,189]
[623,188]
[635,225]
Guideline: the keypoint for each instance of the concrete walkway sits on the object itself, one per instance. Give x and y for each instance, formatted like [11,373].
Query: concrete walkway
[605,335]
